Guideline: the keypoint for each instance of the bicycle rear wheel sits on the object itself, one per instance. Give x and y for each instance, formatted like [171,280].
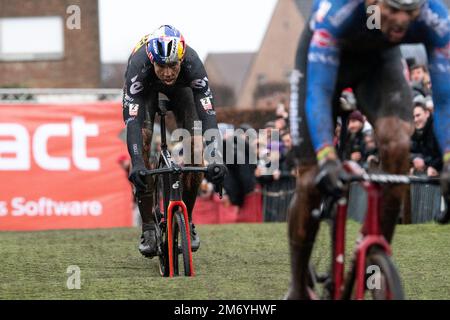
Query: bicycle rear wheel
[383,282]
[163,254]
[180,244]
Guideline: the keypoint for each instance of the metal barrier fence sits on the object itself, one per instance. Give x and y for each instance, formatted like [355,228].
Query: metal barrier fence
[276,198]
[357,202]
[425,203]
[20,95]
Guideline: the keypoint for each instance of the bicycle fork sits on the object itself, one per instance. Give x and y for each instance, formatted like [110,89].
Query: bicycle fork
[173,204]
[170,209]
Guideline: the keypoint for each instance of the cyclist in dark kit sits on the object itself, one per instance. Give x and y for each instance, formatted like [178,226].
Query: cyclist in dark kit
[162,62]
[344,46]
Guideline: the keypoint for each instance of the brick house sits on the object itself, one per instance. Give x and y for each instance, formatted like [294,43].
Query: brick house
[267,81]
[226,74]
[55,56]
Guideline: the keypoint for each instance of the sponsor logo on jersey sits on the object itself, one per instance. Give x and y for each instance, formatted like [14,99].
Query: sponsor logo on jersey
[440,67]
[128,98]
[199,83]
[323,38]
[176,185]
[323,58]
[206,103]
[323,10]
[133,109]
[136,86]
[432,19]
[146,67]
[294,118]
[444,52]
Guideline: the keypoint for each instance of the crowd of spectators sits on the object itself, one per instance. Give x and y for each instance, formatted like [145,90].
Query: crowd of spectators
[356,141]
[277,183]
[359,143]
[268,166]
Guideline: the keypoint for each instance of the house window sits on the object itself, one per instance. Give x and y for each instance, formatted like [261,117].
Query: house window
[31,38]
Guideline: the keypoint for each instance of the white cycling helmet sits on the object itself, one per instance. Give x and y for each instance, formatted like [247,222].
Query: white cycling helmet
[405,4]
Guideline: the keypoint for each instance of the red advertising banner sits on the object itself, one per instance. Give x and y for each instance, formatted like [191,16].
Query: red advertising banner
[59,167]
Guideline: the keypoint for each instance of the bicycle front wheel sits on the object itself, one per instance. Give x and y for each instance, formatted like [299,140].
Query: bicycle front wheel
[383,281]
[180,244]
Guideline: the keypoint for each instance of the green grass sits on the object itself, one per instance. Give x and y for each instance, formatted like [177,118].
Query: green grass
[243,261]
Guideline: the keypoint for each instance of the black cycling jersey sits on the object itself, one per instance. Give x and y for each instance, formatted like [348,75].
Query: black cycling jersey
[140,80]
[190,96]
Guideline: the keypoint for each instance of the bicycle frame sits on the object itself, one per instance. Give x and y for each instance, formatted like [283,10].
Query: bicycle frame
[172,199]
[175,199]
[342,287]
[371,236]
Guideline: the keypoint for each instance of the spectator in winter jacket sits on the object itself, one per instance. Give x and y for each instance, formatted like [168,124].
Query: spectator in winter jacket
[372,160]
[240,180]
[354,148]
[426,156]
[421,84]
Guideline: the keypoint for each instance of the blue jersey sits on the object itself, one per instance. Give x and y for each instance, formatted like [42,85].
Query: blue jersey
[343,25]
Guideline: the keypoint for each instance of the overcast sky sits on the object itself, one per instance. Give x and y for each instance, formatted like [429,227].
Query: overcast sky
[207,25]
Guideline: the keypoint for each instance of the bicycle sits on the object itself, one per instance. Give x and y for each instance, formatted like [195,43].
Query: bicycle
[372,252]
[172,223]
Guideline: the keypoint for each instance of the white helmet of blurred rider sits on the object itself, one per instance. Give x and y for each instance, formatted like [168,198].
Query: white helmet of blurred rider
[406,5]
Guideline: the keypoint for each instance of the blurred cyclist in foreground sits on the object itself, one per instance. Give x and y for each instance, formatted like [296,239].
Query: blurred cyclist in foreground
[354,43]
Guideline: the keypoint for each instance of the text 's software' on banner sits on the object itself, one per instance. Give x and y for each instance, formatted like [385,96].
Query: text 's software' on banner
[59,167]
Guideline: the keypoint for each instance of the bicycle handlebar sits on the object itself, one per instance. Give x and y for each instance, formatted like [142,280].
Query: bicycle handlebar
[352,172]
[172,170]
[177,169]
